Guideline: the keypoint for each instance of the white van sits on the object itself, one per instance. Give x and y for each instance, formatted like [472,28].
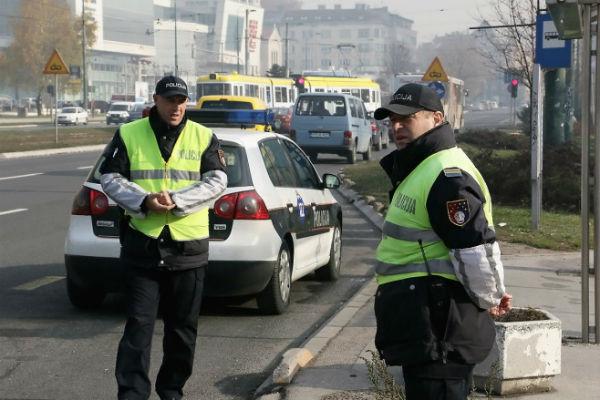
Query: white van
[119,111]
[332,123]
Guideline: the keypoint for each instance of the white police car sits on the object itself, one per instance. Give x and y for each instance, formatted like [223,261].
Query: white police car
[276,222]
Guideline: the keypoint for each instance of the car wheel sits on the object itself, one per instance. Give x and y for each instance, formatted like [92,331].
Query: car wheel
[331,270]
[367,154]
[85,121]
[275,298]
[84,297]
[352,155]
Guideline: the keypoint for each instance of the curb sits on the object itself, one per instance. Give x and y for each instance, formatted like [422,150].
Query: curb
[297,358]
[49,152]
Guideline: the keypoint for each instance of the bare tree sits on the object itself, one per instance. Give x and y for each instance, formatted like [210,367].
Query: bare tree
[398,59]
[511,48]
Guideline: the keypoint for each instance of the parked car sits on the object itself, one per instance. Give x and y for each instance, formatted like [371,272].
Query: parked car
[381,137]
[334,123]
[276,222]
[137,111]
[118,112]
[283,119]
[72,116]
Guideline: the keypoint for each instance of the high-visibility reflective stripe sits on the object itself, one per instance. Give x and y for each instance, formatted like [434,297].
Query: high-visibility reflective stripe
[409,234]
[176,175]
[436,266]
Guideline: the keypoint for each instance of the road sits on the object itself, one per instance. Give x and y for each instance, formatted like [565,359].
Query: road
[499,118]
[50,350]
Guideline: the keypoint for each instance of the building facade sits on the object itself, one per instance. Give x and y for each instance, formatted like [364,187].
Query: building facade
[358,41]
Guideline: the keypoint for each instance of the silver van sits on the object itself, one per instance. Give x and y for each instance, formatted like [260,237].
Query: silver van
[332,123]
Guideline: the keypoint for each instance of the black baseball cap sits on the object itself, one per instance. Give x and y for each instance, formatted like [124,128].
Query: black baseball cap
[409,99]
[171,86]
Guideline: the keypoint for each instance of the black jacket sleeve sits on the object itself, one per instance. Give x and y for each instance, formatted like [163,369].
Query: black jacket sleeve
[115,158]
[213,157]
[457,233]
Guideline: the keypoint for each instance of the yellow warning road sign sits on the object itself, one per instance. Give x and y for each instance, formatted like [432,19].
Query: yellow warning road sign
[435,72]
[56,65]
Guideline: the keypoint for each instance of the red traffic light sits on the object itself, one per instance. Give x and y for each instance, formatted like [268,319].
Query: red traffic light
[514,82]
[300,81]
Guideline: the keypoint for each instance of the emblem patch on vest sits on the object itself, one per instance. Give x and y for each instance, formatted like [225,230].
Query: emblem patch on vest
[458,211]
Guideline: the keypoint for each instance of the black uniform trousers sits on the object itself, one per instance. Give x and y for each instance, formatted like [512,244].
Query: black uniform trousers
[423,383]
[180,295]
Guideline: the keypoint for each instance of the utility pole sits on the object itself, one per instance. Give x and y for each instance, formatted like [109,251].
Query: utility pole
[176,64]
[247,37]
[287,67]
[84,66]
[237,38]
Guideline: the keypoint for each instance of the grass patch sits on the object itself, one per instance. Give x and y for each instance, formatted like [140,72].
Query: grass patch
[24,140]
[558,231]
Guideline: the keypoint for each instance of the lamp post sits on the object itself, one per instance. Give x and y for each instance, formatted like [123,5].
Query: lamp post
[175,16]
[84,66]
[247,55]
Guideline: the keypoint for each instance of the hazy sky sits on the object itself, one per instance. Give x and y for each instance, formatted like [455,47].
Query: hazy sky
[431,17]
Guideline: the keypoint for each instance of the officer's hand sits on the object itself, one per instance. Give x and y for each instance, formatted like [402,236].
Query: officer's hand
[154,202]
[504,306]
[164,198]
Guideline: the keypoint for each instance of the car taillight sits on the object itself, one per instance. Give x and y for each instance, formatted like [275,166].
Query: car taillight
[225,206]
[347,137]
[89,202]
[241,205]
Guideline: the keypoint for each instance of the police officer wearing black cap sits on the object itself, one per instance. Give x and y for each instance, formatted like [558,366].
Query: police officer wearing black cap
[164,171]
[438,265]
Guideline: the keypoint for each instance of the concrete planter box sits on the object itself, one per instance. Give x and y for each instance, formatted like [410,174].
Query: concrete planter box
[525,357]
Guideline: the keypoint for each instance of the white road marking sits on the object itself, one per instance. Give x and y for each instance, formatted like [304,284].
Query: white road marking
[5,178]
[86,167]
[16,210]
[46,280]
[18,126]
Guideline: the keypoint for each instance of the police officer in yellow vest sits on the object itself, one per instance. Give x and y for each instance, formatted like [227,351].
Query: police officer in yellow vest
[438,265]
[163,171]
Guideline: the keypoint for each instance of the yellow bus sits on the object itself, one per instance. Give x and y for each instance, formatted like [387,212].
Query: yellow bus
[282,92]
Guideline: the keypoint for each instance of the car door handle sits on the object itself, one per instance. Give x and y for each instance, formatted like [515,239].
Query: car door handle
[355,126]
[290,207]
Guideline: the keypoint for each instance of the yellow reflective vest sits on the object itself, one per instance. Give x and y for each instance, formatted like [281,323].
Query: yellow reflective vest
[153,174]
[399,255]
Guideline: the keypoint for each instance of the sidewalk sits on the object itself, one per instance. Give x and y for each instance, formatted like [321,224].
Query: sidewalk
[335,368]
[10,118]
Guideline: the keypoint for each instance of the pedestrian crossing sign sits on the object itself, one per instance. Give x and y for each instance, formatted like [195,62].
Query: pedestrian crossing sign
[56,65]
[435,72]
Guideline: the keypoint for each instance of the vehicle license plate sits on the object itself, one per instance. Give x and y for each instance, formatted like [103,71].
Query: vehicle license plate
[319,134]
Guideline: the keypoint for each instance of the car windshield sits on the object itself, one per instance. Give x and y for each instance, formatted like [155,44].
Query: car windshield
[69,110]
[227,105]
[237,169]
[322,106]
[118,107]
[139,107]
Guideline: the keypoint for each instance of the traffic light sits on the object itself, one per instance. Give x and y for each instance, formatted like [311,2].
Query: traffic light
[299,83]
[514,88]
[50,90]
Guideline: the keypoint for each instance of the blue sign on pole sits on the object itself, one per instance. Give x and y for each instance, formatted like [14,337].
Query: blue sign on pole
[439,88]
[550,51]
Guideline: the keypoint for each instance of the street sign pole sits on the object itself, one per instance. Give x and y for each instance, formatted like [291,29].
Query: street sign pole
[56,108]
[537,142]
[56,66]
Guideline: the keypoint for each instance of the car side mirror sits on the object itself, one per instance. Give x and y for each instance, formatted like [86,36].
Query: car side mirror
[331,181]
